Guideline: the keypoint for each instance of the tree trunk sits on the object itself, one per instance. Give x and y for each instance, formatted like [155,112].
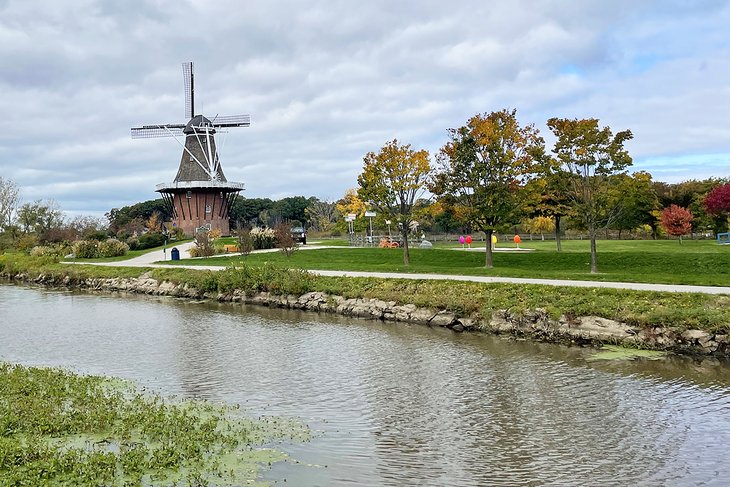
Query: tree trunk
[557,233]
[489,263]
[406,254]
[680,240]
[594,260]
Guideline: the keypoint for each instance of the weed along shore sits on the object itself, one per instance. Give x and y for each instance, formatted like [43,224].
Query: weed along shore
[689,323]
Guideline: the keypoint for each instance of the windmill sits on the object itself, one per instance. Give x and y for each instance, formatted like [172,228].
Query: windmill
[200,196]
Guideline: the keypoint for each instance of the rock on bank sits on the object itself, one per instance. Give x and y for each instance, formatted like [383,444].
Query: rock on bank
[535,324]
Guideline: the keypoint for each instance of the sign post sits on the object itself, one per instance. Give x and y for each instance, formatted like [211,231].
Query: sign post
[370,215]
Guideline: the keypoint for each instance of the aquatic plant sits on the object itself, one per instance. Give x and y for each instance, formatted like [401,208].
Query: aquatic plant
[59,428]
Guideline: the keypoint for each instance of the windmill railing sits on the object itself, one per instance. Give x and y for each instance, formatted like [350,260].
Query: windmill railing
[199,184]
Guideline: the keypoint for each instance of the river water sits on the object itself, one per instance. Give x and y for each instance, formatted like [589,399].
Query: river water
[397,404]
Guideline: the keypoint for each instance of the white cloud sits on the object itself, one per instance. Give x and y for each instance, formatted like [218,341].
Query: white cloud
[328,81]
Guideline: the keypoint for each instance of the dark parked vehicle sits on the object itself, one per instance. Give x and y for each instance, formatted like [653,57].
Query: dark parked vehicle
[299,234]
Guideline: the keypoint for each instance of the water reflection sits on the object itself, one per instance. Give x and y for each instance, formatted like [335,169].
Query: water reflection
[396,404]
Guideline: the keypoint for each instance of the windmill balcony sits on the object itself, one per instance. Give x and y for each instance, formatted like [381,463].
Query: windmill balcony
[199,184]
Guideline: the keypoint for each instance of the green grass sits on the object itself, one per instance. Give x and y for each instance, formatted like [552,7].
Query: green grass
[665,262]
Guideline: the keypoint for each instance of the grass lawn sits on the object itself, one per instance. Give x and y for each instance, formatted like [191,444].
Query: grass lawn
[664,261]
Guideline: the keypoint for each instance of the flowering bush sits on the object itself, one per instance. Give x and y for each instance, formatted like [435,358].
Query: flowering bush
[85,249]
[263,238]
[91,249]
[46,251]
[112,248]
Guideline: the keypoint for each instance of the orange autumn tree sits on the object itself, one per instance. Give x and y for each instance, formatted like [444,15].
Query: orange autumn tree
[485,166]
[677,221]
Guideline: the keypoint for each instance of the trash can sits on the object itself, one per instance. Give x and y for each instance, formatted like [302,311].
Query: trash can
[175,254]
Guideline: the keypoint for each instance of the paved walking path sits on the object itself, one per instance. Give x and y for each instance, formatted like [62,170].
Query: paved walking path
[149,259]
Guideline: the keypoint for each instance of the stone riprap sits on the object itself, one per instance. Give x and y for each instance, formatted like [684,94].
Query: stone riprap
[536,324]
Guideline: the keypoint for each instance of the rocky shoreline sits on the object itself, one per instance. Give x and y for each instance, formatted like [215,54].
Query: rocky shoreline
[536,324]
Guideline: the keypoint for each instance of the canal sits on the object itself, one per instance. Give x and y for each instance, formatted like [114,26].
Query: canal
[397,404]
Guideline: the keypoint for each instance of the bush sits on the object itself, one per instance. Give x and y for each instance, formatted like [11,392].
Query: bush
[133,243]
[263,238]
[26,242]
[149,240]
[112,248]
[48,251]
[86,249]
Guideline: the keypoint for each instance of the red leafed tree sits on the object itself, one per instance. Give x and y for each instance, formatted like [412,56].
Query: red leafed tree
[717,201]
[677,221]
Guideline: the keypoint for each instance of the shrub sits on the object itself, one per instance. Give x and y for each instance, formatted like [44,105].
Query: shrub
[133,243]
[263,238]
[26,242]
[86,249]
[203,245]
[43,251]
[112,248]
[284,239]
[245,241]
[149,240]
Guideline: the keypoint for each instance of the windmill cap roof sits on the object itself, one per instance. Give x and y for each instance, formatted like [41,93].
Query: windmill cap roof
[197,121]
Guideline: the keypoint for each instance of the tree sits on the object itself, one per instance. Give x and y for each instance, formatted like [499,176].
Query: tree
[717,201]
[290,209]
[322,215]
[588,156]
[548,195]
[154,222]
[244,239]
[541,224]
[9,201]
[351,204]
[677,221]
[285,240]
[392,181]
[246,211]
[485,166]
[40,216]
[119,218]
[635,200]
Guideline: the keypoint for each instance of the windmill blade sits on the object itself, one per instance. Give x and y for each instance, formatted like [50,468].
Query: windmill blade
[232,121]
[189,90]
[153,131]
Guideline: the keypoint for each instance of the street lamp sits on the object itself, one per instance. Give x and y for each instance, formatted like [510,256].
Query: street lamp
[387,222]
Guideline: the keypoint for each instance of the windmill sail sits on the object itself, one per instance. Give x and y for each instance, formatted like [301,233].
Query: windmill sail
[189,90]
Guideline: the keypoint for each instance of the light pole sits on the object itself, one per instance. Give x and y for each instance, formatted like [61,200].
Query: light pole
[387,222]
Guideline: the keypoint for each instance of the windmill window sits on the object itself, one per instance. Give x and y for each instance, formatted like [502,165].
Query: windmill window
[189,194]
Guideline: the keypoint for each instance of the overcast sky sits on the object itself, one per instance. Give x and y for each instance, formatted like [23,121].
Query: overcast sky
[327,81]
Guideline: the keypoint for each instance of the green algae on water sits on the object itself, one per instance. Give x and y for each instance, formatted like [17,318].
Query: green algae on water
[614,352]
[59,428]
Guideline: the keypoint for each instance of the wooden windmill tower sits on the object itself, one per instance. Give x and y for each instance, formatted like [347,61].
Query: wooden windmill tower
[200,196]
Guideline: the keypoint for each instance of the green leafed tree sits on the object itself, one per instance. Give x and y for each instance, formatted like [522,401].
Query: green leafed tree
[485,166]
[588,156]
[40,216]
[392,181]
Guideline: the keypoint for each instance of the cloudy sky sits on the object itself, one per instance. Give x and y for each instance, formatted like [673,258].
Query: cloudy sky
[327,81]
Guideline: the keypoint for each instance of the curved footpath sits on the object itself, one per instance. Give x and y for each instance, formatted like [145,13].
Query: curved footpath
[149,259]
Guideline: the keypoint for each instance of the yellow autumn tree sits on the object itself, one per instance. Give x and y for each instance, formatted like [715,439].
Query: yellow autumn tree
[392,181]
